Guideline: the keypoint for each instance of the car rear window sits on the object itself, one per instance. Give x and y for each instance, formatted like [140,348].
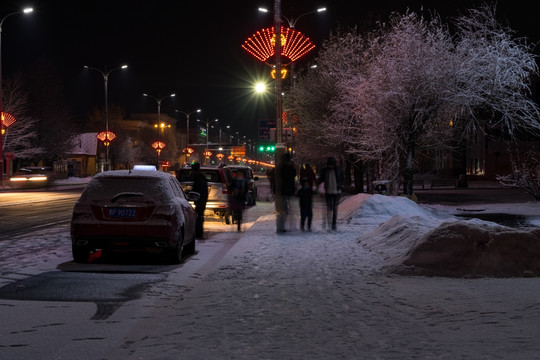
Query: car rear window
[210,174]
[245,172]
[107,187]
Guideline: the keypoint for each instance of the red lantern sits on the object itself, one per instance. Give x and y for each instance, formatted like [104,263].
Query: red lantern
[158,145]
[220,156]
[106,137]
[188,151]
[207,153]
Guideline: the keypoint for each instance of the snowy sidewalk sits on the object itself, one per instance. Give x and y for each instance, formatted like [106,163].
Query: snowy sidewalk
[322,295]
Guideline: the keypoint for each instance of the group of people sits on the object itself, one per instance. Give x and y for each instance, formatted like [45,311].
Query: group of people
[238,190]
[284,187]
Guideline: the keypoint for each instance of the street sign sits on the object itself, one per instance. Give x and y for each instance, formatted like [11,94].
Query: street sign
[265,126]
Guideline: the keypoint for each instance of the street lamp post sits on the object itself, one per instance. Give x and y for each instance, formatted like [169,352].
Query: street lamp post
[159,125]
[292,21]
[105,75]
[220,130]
[24,11]
[188,114]
[207,133]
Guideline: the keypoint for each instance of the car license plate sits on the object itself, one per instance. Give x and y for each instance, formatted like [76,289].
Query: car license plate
[121,212]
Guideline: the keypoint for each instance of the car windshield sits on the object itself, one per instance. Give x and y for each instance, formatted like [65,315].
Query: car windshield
[33,170]
[109,187]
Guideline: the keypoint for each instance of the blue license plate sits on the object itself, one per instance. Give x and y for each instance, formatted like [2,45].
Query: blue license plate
[121,212]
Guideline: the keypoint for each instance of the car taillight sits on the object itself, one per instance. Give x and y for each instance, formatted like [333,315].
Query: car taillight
[224,190]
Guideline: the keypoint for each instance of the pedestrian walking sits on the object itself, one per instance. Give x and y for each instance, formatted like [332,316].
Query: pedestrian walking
[305,195]
[200,185]
[238,192]
[332,177]
[285,175]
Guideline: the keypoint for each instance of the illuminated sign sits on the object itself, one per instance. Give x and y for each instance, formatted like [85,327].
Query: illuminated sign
[294,44]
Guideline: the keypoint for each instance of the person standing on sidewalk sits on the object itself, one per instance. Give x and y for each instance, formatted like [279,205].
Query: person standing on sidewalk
[285,188]
[200,185]
[332,177]
[307,173]
[238,192]
[305,196]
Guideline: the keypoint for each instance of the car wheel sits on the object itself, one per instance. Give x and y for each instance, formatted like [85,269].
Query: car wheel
[190,248]
[80,254]
[177,252]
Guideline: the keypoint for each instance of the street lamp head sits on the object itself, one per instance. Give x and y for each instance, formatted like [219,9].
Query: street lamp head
[28,10]
[264,10]
[124,66]
[321,9]
[260,87]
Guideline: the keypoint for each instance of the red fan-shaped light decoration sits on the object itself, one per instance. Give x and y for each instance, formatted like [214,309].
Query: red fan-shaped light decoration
[262,44]
[106,135]
[158,145]
[7,119]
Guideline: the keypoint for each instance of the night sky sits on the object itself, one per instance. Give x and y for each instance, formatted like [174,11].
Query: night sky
[191,48]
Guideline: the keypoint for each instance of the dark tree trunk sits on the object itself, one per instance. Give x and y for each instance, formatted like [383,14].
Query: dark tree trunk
[358,176]
[408,172]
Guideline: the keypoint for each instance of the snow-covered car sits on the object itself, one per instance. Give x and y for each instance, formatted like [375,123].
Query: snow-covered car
[218,178]
[133,210]
[251,198]
[32,177]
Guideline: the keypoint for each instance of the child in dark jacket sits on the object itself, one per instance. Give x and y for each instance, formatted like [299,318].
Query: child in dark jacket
[305,195]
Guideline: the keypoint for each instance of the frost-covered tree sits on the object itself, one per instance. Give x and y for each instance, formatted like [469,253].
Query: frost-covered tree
[310,97]
[526,172]
[397,99]
[22,136]
[493,77]
[411,84]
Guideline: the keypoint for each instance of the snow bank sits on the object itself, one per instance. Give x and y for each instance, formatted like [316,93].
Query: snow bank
[415,240]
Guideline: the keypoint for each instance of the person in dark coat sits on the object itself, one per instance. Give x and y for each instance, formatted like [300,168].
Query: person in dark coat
[200,185]
[307,173]
[332,177]
[305,195]
[237,198]
[285,175]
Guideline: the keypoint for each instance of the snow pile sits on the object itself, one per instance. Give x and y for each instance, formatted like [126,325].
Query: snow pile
[415,240]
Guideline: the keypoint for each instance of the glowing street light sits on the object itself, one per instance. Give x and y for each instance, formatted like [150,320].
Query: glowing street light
[260,87]
[292,21]
[160,126]
[158,101]
[24,11]
[105,73]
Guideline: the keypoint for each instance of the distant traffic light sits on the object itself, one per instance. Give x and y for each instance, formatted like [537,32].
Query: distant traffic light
[267,148]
